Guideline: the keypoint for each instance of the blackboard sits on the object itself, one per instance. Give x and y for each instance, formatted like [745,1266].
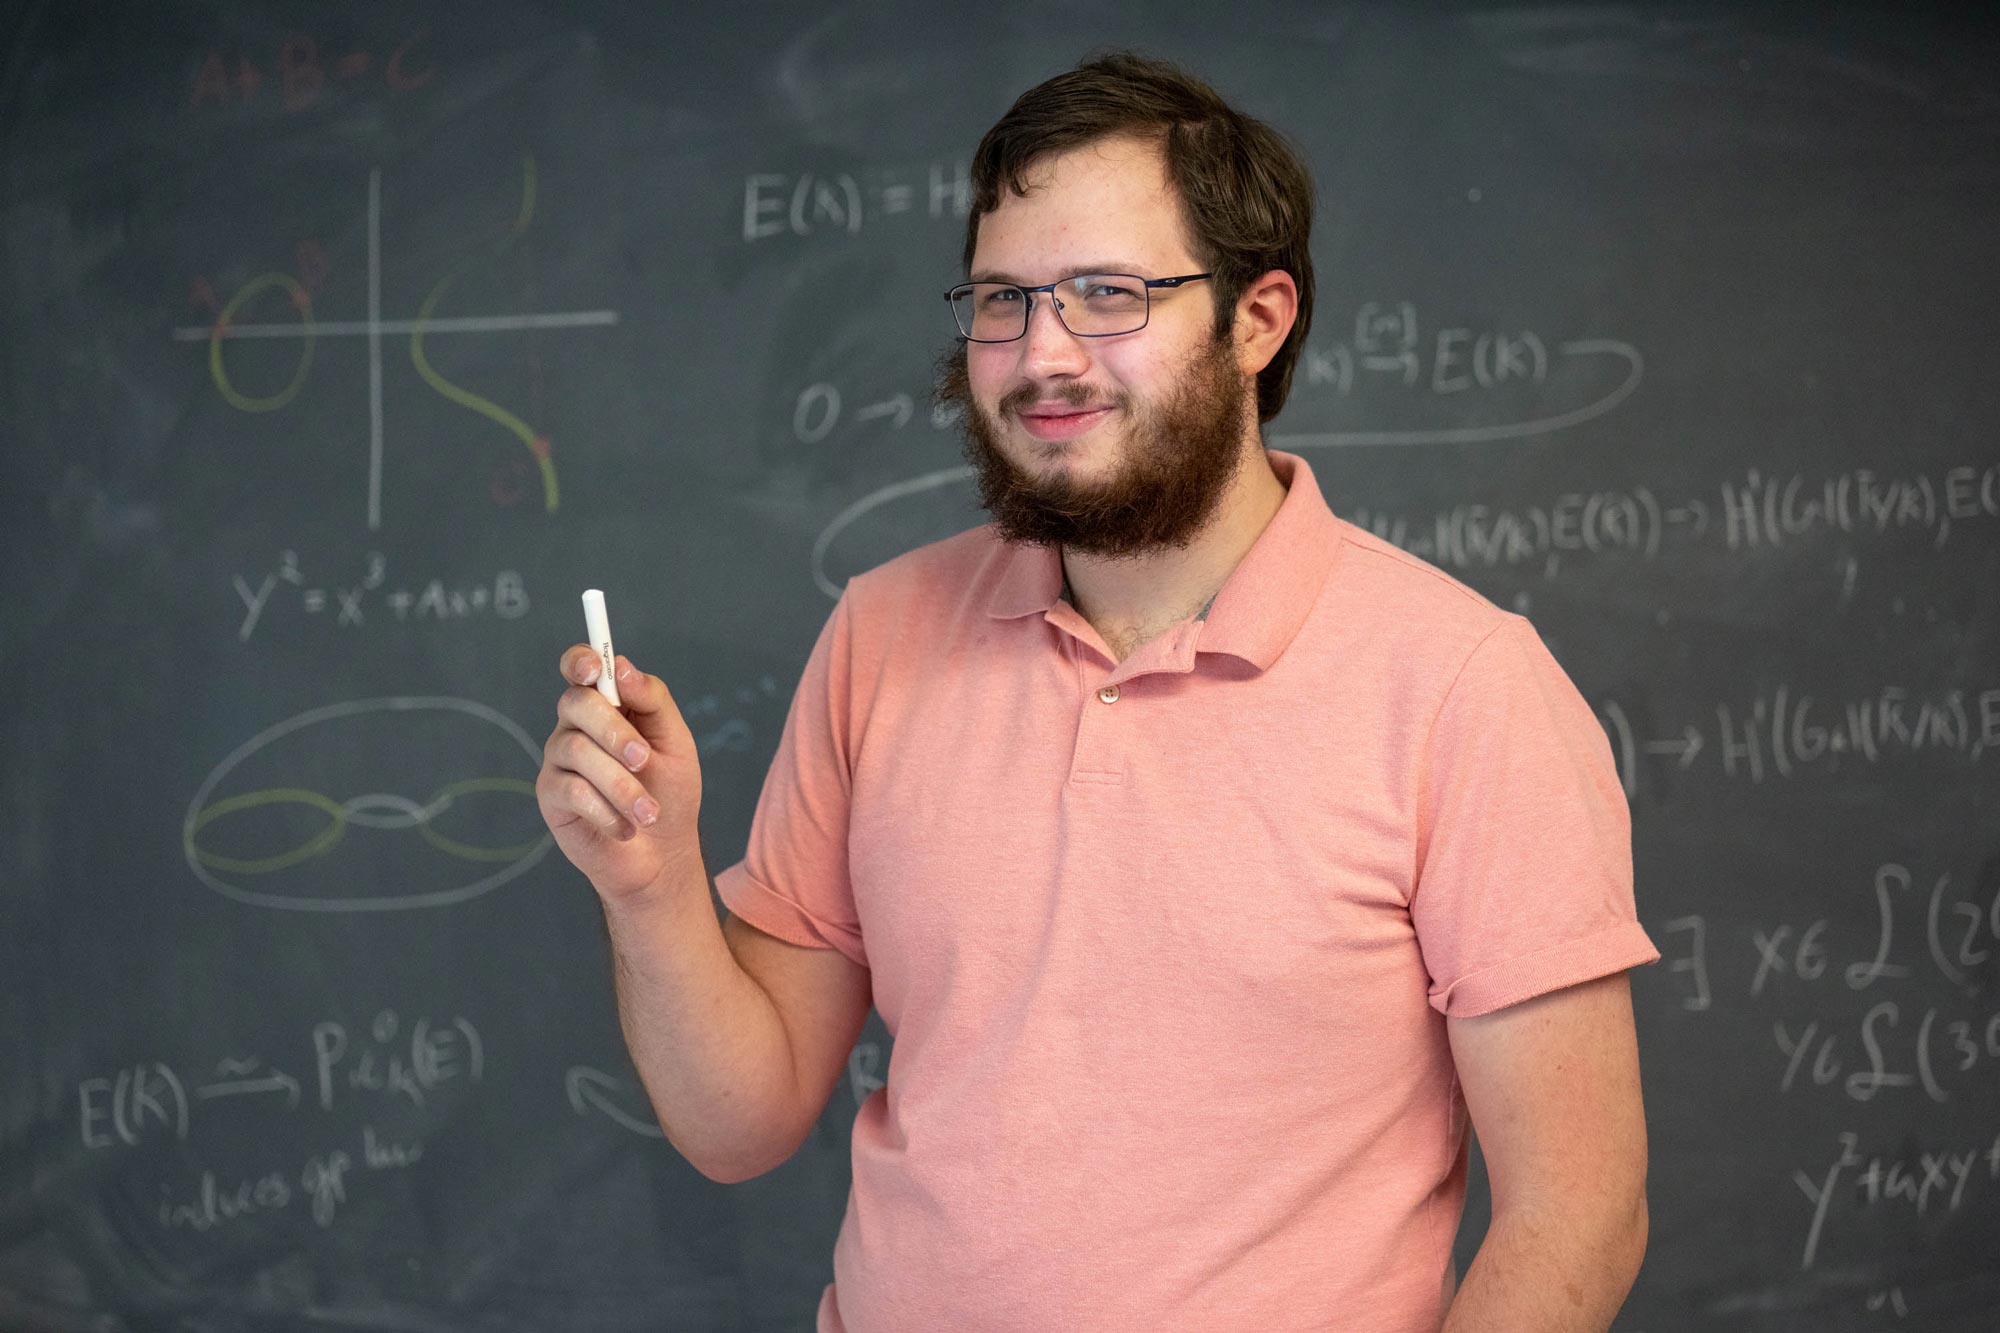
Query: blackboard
[1671,328]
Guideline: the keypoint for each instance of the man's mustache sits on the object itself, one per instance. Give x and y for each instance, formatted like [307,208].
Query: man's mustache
[1072,394]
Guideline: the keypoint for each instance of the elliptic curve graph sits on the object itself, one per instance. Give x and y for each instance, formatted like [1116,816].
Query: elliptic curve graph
[308,329]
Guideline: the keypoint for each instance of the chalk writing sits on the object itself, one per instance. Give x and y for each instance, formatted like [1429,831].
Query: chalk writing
[304,72]
[1789,734]
[1754,513]
[347,604]
[1927,930]
[411,1067]
[1485,536]
[1788,731]
[1761,510]
[818,412]
[446,833]
[118,1109]
[517,474]
[1694,961]
[839,202]
[1898,1050]
[1388,350]
[321,1182]
[1386,343]
[1894,1045]
[866,1070]
[1917,1182]
[867,504]
[592,1090]
[151,1099]
[1957,935]
[726,729]
[1890,1299]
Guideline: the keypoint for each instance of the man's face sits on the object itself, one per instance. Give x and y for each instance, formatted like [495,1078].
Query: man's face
[1109,446]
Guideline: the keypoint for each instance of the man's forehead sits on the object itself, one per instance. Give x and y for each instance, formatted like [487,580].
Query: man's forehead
[1125,154]
[1098,207]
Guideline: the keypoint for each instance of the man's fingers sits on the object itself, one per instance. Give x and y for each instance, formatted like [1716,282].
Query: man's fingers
[591,761]
[589,713]
[646,715]
[579,753]
[567,797]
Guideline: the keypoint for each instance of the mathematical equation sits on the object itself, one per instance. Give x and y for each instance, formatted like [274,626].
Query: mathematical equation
[304,74]
[1892,1046]
[1876,1183]
[818,412]
[1484,536]
[1789,733]
[1758,512]
[348,604]
[388,1060]
[1772,510]
[840,202]
[1387,347]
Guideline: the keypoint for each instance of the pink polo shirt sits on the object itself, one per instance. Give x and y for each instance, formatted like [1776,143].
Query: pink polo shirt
[1167,945]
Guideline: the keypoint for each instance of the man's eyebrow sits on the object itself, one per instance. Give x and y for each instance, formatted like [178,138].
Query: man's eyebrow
[1073,271]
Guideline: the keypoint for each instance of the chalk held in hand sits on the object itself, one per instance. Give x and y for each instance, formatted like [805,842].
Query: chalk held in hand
[598,626]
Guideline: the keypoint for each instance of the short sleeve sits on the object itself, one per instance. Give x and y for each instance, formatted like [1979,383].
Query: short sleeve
[1524,875]
[793,879]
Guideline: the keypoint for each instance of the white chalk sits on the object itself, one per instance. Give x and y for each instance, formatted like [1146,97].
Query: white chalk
[598,626]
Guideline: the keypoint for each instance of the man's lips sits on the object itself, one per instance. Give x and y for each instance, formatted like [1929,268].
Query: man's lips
[1050,422]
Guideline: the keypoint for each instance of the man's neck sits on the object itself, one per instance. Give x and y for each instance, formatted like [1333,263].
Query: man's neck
[1145,595]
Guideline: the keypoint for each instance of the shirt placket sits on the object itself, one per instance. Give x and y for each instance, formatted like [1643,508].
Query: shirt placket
[1111,703]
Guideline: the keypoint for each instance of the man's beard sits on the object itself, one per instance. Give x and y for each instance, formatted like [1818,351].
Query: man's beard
[1179,458]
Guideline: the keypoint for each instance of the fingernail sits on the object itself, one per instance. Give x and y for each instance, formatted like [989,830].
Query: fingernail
[646,810]
[587,673]
[635,755]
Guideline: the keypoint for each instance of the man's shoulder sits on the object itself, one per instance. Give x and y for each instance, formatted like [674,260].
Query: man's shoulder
[1402,633]
[938,579]
[1390,590]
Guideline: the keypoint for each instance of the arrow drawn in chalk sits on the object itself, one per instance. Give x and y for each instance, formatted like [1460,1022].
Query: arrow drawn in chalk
[898,407]
[1687,747]
[588,1091]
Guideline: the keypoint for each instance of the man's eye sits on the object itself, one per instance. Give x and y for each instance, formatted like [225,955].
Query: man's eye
[1003,296]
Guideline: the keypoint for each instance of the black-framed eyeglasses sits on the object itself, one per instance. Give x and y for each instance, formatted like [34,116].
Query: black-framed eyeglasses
[1090,305]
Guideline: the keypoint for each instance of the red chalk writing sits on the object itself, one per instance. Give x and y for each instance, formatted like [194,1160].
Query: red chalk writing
[305,70]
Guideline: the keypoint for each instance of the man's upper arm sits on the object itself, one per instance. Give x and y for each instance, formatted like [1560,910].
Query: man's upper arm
[1552,1084]
[822,997]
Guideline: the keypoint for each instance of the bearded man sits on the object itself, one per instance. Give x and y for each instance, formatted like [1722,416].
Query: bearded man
[1215,865]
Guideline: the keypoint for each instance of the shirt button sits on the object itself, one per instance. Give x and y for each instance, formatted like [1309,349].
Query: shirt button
[1109,694]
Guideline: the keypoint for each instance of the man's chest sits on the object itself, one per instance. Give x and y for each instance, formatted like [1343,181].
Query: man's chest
[1192,832]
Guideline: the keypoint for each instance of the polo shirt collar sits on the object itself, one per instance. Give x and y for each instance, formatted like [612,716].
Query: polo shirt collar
[1260,607]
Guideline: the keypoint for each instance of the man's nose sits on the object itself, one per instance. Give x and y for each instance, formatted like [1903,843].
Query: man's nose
[1049,348]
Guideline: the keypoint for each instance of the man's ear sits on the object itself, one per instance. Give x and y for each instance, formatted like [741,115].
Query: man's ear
[1264,316]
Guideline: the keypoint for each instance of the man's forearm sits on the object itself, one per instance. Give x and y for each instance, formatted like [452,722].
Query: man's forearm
[704,1036]
[1550,1271]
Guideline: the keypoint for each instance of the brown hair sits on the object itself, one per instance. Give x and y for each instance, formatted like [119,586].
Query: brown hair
[1246,197]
